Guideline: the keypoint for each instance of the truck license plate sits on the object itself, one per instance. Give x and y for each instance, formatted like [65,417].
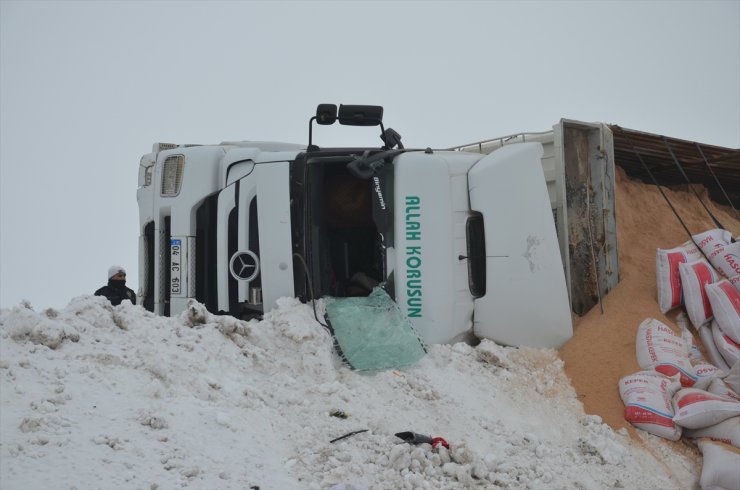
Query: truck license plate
[175,267]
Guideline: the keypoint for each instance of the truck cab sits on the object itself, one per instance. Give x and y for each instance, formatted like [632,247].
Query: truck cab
[463,241]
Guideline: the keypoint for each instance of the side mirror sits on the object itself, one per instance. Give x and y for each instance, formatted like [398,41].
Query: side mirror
[326,114]
[360,115]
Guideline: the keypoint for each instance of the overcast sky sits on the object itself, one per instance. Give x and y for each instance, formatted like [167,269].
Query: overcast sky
[87,87]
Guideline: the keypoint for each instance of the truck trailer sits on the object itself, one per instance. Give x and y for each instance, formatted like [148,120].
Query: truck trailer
[479,241]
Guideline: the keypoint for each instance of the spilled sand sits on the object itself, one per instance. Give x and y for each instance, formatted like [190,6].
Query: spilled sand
[602,349]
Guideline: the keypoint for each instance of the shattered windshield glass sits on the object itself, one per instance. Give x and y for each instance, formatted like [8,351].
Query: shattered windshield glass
[372,333]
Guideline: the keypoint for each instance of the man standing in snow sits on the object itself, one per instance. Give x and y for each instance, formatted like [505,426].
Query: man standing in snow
[116,290]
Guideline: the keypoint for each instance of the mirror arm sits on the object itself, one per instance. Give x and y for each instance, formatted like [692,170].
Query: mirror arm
[310,135]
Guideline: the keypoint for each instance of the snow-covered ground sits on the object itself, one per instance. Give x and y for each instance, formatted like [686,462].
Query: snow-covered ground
[95,396]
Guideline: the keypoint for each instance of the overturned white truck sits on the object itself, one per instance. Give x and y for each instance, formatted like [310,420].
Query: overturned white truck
[468,244]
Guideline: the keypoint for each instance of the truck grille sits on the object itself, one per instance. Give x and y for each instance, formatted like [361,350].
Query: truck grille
[205,253]
[164,272]
[147,286]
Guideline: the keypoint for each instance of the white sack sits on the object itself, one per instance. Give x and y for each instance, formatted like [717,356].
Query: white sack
[694,277]
[703,370]
[706,373]
[733,378]
[719,387]
[726,259]
[668,279]
[692,345]
[729,349]
[709,240]
[705,334]
[660,349]
[735,281]
[725,301]
[727,431]
[648,405]
[696,409]
[721,467]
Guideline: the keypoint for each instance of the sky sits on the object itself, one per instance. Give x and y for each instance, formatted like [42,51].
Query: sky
[95,396]
[86,88]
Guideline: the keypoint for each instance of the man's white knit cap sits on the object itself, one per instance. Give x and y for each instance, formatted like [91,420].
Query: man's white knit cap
[115,269]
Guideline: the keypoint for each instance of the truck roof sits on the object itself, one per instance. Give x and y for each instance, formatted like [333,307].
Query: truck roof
[265,145]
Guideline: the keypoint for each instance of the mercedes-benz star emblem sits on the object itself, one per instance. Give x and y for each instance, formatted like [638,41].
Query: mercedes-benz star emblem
[244,265]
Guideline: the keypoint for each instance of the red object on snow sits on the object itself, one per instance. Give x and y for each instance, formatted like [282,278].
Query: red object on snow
[438,441]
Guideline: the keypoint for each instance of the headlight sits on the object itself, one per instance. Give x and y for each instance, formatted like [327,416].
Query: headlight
[172,175]
[148,175]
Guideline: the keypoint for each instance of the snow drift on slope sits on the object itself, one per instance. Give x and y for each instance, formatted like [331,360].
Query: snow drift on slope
[115,397]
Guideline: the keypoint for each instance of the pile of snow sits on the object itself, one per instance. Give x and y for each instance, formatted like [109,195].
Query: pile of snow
[95,396]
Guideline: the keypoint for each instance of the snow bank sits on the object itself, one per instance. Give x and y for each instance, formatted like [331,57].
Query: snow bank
[95,396]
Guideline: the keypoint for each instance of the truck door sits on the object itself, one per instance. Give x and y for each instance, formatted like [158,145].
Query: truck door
[526,296]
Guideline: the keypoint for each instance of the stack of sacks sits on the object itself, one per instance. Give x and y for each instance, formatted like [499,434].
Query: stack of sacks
[715,418]
[725,327]
[721,251]
[677,388]
[668,362]
[712,419]
[678,393]
[709,289]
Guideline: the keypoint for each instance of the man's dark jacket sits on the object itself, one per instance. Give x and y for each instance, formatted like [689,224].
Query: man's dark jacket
[116,291]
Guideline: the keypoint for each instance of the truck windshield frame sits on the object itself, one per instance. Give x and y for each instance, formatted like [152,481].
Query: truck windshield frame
[342,224]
